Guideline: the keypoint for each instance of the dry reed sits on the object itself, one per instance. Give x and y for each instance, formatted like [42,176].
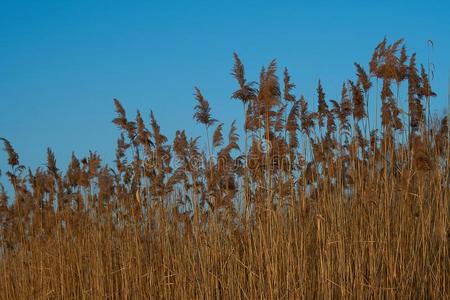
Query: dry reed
[313,206]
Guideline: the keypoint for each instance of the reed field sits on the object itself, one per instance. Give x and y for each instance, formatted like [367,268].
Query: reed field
[315,198]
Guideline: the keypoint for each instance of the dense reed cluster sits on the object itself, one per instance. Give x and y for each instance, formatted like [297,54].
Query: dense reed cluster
[312,198]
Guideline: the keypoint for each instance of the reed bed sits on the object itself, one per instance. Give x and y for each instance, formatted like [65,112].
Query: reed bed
[312,198]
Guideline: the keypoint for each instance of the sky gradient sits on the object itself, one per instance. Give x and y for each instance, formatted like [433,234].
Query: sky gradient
[62,62]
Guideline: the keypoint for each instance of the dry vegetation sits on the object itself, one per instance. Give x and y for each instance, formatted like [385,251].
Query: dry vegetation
[309,201]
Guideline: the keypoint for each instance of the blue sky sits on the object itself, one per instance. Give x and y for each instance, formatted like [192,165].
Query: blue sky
[62,62]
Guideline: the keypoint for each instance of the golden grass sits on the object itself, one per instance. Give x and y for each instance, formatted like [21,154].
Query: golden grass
[315,205]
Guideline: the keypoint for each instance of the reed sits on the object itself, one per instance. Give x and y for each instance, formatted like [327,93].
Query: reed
[317,204]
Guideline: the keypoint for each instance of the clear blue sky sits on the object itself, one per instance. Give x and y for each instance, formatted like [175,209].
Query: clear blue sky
[62,62]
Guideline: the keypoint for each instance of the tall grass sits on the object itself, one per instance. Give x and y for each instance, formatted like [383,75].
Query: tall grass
[319,203]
